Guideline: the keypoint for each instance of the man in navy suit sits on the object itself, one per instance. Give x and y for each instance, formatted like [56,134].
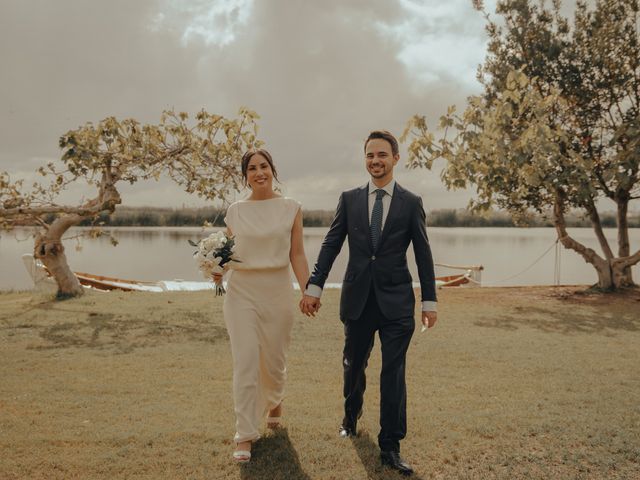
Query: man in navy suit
[380,219]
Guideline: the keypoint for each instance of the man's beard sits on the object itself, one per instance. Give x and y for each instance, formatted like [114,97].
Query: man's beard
[383,172]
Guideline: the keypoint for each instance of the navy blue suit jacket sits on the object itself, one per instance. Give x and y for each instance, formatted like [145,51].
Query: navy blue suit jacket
[385,269]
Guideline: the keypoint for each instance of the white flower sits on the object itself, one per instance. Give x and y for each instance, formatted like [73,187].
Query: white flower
[214,241]
[210,254]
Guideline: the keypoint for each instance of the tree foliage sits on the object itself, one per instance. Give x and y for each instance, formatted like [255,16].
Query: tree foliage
[557,125]
[201,156]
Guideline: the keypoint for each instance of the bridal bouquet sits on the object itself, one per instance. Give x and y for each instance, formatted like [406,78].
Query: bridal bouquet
[213,253]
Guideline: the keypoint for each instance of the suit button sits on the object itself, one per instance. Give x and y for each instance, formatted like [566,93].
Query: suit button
[373,257]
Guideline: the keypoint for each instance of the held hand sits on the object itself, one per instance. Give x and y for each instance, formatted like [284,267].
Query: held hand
[303,306]
[429,319]
[217,277]
[309,305]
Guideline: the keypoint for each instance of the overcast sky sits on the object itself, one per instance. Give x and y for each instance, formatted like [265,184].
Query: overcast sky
[321,74]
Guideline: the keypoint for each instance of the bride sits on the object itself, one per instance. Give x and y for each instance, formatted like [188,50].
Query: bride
[259,306]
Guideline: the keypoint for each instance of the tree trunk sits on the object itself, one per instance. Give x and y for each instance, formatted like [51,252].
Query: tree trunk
[597,228]
[619,267]
[624,275]
[613,273]
[621,276]
[49,249]
[605,276]
[602,265]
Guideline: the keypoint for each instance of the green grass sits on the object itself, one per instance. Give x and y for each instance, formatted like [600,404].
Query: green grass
[531,383]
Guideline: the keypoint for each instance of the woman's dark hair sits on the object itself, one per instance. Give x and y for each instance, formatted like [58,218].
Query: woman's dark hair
[246,158]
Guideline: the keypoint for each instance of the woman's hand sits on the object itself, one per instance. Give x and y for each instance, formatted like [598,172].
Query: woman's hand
[309,305]
[217,277]
[217,282]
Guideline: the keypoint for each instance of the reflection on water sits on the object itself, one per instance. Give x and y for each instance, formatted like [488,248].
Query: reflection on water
[158,253]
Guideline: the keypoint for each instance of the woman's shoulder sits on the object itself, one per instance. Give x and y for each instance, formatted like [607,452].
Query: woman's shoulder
[291,200]
[292,205]
[271,201]
[233,206]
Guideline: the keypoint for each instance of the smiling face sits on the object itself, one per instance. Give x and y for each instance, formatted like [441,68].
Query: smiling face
[380,160]
[259,173]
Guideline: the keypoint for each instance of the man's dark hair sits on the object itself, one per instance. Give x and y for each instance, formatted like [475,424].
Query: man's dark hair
[384,135]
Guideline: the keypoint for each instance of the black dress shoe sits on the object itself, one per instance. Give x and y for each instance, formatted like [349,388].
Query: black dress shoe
[346,432]
[393,460]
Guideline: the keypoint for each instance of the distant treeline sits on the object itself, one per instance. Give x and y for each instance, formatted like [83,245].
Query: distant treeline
[185,217]
[196,217]
[464,218]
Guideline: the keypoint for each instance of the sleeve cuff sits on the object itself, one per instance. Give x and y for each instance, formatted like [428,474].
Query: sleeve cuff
[428,306]
[313,291]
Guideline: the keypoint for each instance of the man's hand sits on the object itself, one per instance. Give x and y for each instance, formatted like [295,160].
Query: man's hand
[429,319]
[309,305]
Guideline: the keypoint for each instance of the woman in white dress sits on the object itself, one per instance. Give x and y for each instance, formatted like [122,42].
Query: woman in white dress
[259,304]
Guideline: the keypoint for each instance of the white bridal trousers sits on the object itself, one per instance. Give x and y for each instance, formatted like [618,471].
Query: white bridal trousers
[258,312]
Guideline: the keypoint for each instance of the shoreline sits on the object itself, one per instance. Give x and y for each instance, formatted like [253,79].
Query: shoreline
[328,286]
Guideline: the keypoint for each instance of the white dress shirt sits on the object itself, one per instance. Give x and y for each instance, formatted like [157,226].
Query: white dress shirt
[316,291]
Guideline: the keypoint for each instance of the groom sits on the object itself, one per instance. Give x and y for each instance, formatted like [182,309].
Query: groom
[379,219]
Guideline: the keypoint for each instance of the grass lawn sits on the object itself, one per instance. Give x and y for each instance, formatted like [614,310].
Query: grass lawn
[531,383]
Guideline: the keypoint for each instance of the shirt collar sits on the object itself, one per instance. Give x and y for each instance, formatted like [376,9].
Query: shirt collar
[388,188]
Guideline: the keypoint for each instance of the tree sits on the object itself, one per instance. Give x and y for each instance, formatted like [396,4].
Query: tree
[557,126]
[204,158]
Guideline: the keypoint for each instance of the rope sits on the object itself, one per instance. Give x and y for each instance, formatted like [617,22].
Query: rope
[460,267]
[556,271]
[534,262]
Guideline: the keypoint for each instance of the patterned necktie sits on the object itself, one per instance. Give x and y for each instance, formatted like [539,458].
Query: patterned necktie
[376,219]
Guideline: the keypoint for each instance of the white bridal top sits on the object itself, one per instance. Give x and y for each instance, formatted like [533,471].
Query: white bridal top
[262,230]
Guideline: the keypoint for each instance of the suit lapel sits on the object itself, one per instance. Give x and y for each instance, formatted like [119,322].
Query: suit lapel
[395,209]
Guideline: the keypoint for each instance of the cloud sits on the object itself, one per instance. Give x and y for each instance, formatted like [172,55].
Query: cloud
[320,74]
[439,41]
[214,22]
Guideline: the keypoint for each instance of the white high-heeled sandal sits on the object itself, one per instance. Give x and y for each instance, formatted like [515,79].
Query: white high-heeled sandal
[242,456]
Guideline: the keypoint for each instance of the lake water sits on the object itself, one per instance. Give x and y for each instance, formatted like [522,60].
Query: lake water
[510,256]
